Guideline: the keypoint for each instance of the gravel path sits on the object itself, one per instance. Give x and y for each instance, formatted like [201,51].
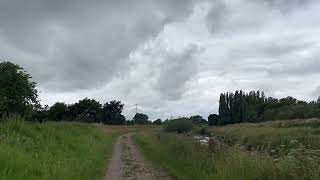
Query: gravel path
[127,163]
[115,167]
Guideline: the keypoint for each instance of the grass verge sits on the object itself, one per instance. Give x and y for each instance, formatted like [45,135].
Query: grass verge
[53,150]
[183,159]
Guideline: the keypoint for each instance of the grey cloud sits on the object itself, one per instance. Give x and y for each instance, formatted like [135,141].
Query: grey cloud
[135,51]
[275,48]
[307,67]
[82,44]
[239,16]
[175,72]
[287,5]
[250,16]
[217,15]
[316,92]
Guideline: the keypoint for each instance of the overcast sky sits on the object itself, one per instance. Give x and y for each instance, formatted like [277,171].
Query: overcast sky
[172,57]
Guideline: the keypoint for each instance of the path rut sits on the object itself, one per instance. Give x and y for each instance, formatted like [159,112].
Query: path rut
[127,163]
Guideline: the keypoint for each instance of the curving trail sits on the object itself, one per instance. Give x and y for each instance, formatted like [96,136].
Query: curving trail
[127,163]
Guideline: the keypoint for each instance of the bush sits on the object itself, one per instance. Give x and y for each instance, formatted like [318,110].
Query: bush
[213,119]
[157,122]
[204,131]
[141,119]
[181,125]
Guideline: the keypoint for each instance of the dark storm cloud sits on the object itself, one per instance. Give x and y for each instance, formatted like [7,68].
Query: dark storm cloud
[81,44]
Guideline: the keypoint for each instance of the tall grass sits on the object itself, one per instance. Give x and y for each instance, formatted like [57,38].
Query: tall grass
[185,160]
[271,135]
[53,150]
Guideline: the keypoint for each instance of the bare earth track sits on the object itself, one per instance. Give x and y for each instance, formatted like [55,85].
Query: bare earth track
[127,163]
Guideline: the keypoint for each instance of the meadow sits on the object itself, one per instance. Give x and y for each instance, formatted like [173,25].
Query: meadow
[52,150]
[71,150]
[269,150]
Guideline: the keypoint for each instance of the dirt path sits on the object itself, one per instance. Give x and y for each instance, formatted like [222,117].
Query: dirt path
[127,163]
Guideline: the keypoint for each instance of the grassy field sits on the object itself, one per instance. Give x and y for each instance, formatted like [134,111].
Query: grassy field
[270,136]
[272,150]
[54,150]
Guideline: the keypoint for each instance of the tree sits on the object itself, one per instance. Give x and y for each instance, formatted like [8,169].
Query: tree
[40,113]
[17,92]
[58,111]
[128,122]
[86,110]
[213,119]
[198,120]
[112,113]
[140,118]
[157,122]
[180,125]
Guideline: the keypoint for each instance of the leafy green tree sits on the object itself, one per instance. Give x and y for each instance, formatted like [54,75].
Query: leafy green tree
[86,110]
[140,119]
[112,113]
[17,92]
[58,112]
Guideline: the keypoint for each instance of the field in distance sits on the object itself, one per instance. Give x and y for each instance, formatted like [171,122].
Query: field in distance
[268,150]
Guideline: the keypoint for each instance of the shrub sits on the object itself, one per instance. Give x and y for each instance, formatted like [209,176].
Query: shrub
[213,119]
[181,125]
[204,131]
[157,122]
[141,119]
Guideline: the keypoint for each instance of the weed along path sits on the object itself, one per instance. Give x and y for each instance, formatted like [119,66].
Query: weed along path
[127,163]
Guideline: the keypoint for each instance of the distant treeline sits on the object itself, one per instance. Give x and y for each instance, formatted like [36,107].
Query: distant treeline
[86,110]
[255,107]
[18,95]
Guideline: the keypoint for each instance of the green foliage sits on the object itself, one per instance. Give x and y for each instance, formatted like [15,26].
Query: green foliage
[140,119]
[255,107]
[58,111]
[18,94]
[157,122]
[186,159]
[128,122]
[181,125]
[213,119]
[112,113]
[268,136]
[53,150]
[85,110]
[204,131]
[197,120]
